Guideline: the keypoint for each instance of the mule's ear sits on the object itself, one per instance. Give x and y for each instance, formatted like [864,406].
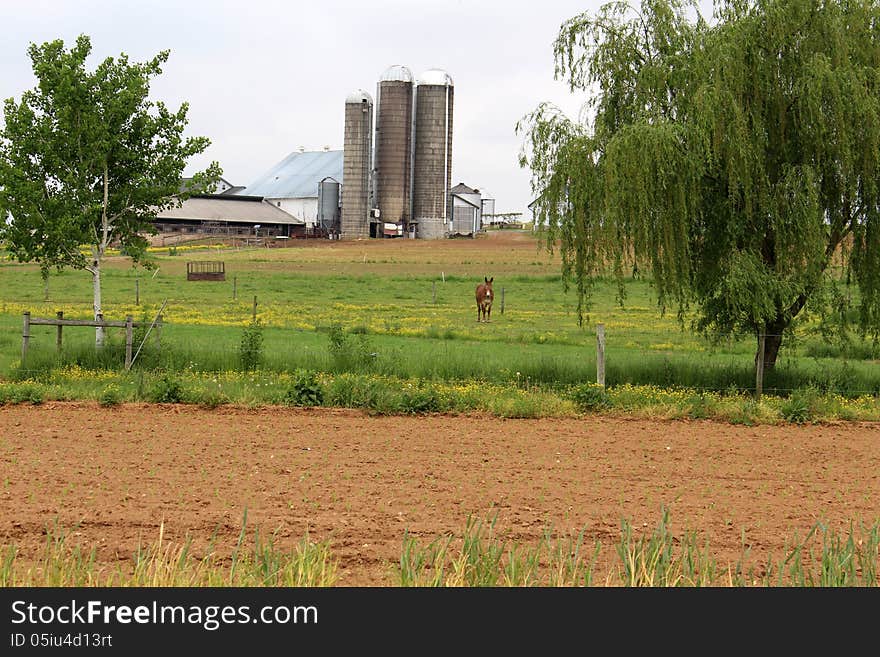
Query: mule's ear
[491,279]
[485,279]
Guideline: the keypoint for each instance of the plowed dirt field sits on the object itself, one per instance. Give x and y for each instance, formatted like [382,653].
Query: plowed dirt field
[111,476]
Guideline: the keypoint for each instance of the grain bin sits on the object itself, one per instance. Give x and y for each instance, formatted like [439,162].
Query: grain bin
[393,161]
[356,165]
[432,167]
[328,205]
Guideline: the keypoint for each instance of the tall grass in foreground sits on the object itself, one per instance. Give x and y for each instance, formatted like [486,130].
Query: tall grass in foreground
[476,558]
[481,559]
[167,564]
[653,561]
[659,559]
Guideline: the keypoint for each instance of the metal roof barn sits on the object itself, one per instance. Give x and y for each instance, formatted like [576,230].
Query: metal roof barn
[297,175]
[228,208]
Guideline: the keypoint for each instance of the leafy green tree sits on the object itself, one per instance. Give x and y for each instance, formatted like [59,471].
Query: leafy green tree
[735,156]
[87,160]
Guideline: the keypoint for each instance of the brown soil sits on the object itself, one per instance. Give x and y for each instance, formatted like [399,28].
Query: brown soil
[111,476]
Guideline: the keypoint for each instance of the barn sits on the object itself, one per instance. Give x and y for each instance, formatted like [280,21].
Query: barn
[229,215]
[293,184]
[469,209]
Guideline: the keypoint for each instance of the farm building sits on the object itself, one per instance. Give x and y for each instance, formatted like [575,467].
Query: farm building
[467,210]
[391,179]
[229,214]
[398,184]
[294,185]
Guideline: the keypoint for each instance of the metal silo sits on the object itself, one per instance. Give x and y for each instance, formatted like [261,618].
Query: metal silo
[356,165]
[394,105]
[328,205]
[432,168]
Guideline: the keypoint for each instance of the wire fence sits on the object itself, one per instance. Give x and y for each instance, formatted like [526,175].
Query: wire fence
[536,374]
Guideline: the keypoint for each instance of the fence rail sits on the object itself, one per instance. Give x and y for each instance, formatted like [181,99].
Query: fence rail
[60,322]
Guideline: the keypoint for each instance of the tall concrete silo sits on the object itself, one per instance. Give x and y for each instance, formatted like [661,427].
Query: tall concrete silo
[356,165]
[394,105]
[432,168]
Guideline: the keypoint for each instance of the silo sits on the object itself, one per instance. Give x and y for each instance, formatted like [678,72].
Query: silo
[394,103]
[432,168]
[356,165]
[328,205]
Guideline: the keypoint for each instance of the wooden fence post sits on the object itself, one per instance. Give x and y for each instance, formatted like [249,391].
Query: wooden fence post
[600,354]
[255,308]
[128,340]
[60,316]
[433,291]
[137,291]
[234,287]
[759,365]
[502,300]
[25,336]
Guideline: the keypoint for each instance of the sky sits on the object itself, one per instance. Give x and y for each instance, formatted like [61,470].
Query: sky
[264,78]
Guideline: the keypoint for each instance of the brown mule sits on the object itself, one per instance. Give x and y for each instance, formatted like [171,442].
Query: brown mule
[484,299]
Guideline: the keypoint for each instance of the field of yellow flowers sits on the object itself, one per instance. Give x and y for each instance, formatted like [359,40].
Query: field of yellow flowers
[404,315]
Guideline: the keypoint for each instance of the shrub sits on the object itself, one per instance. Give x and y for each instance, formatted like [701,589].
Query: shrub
[30,393]
[699,407]
[589,397]
[167,390]
[516,407]
[304,390]
[110,396]
[207,398]
[742,410]
[801,406]
[358,391]
[350,353]
[250,350]
[421,399]
[19,393]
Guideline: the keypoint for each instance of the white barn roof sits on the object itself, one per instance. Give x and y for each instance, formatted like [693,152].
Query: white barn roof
[229,208]
[297,175]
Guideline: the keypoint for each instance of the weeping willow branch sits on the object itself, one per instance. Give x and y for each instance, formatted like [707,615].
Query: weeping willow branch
[731,159]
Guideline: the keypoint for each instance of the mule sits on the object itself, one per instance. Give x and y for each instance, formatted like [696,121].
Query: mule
[485,295]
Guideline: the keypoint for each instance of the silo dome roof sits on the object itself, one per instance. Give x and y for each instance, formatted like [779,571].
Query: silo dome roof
[436,76]
[359,96]
[396,73]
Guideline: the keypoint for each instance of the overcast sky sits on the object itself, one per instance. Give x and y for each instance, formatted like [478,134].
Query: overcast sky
[265,77]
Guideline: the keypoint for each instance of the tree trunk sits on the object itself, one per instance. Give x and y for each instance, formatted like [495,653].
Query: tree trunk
[772,342]
[771,350]
[99,315]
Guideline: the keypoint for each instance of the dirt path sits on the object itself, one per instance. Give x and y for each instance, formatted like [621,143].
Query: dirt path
[113,475]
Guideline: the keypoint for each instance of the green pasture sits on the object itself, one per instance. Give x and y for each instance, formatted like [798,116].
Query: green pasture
[406,311]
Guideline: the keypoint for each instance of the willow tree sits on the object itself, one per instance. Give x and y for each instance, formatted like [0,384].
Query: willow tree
[732,156]
[87,160]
